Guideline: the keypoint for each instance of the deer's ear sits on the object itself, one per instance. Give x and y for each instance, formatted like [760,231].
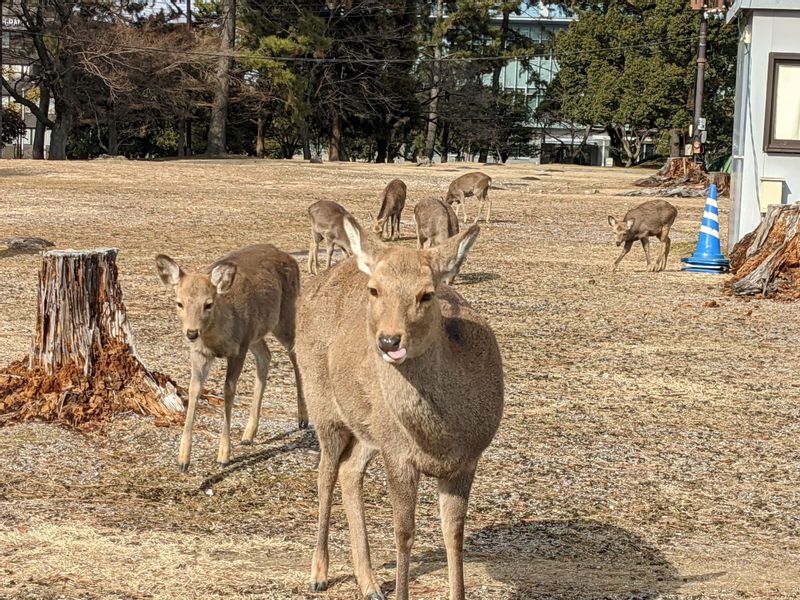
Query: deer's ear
[168,271]
[629,223]
[222,277]
[363,245]
[447,259]
[611,220]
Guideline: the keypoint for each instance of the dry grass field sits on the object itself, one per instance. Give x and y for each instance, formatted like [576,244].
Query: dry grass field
[650,446]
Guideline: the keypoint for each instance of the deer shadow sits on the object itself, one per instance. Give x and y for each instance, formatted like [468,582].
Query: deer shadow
[307,441]
[473,278]
[580,559]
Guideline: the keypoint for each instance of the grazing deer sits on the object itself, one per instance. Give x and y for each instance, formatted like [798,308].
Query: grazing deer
[436,221]
[227,310]
[326,223]
[393,200]
[395,362]
[470,184]
[651,218]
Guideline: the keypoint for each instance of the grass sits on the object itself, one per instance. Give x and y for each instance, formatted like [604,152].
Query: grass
[648,448]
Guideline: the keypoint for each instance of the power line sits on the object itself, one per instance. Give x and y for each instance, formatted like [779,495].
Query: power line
[309,59]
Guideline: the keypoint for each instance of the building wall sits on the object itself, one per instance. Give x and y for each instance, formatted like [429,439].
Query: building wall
[763,31]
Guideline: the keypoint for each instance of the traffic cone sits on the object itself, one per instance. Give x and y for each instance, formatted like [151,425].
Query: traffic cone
[708,257]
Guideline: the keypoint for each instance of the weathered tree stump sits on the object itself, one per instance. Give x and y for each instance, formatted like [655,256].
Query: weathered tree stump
[83,364]
[767,260]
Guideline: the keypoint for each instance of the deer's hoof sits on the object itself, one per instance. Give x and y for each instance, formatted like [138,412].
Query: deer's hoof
[302,424]
[222,464]
[375,596]
[246,443]
[184,467]
[318,586]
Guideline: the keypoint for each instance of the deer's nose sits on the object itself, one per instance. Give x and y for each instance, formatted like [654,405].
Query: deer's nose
[192,334]
[389,343]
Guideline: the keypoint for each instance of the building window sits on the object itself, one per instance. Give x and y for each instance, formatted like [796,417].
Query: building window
[782,126]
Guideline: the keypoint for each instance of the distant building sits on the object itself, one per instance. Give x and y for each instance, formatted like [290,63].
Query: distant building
[766,127]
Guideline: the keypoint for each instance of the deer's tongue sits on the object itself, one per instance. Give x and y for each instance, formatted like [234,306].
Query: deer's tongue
[397,354]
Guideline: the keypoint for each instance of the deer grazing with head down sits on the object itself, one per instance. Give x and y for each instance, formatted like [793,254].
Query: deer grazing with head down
[395,362]
[436,222]
[393,200]
[326,224]
[226,311]
[470,184]
[650,219]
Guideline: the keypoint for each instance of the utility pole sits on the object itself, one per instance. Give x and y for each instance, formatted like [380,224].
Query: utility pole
[1,77]
[189,118]
[698,151]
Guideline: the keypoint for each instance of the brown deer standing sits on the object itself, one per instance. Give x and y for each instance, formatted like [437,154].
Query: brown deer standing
[393,200]
[651,218]
[326,223]
[470,184]
[395,362]
[436,221]
[227,310]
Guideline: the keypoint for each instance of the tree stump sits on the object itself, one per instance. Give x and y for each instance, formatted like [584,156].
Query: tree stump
[767,260]
[83,364]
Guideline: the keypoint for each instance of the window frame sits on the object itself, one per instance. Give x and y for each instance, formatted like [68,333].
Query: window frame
[773,145]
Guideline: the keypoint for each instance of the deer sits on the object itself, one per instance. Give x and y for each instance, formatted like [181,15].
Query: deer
[436,221]
[225,311]
[326,223]
[650,219]
[395,362]
[470,184]
[393,200]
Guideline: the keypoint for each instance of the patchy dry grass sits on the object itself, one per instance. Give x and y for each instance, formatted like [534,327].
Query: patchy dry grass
[649,447]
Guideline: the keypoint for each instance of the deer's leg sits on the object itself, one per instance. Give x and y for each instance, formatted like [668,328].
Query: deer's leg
[666,243]
[464,205]
[231,379]
[645,246]
[489,209]
[625,250]
[312,252]
[200,367]
[420,241]
[329,243]
[453,500]
[332,443]
[284,333]
[403,478]
[351,475]
[396,232]
[262,355]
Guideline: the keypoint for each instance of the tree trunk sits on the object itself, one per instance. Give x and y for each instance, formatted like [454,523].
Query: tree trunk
[483,156]
[217,129]
[336,149]
[41,126]
[260,127]
[445,141]
[113,138]
[433,108]
[306,140]
[181,137]
[83,365]
[675,142]
[59,136]
[382,144]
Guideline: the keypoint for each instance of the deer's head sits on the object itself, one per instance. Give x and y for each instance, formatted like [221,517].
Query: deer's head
[403,313]
[195,293]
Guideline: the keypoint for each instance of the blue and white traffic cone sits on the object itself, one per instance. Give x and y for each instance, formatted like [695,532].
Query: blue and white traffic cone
[708,257]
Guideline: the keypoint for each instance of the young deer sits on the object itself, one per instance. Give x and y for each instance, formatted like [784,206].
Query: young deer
[393,200]
[227,310]
[651,218]
[397,363]
[326,223]
[470,184]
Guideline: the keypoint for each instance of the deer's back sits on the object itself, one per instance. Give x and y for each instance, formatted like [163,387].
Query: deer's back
[266,278]
[651,217]
[470,182]
[394,198]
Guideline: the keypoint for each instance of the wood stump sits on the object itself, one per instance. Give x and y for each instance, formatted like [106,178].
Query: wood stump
[83,365]
[767,261]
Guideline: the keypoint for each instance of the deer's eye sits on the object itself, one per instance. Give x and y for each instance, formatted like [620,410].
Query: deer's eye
[426,297]
[373,292]
[208,305]
[179,304]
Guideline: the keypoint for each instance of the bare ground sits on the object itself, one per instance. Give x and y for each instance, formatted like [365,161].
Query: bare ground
[649,447]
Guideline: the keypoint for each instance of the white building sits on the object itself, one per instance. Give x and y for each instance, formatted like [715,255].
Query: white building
[766,129]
